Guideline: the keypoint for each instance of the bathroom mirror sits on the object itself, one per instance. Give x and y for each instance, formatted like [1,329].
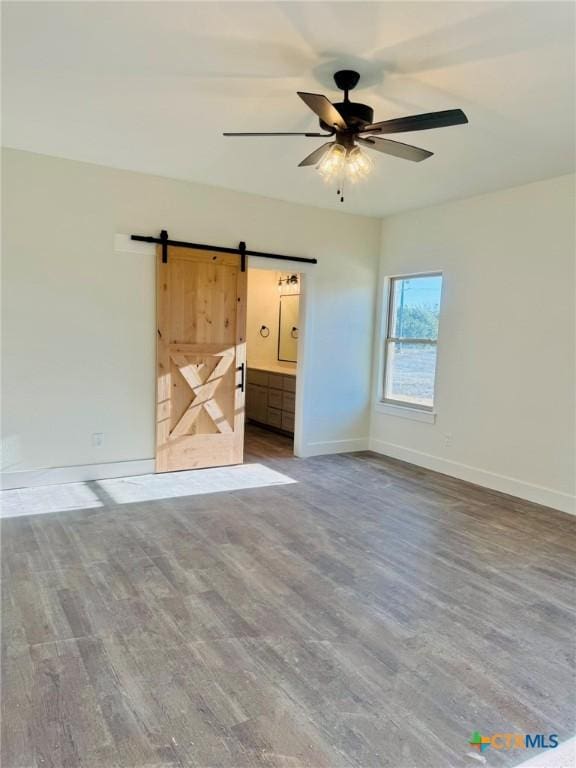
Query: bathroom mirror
[288,329]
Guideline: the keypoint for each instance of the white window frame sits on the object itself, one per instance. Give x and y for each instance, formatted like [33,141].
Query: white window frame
[391,406]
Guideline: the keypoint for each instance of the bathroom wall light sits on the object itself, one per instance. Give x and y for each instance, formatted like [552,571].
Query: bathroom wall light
[288,283]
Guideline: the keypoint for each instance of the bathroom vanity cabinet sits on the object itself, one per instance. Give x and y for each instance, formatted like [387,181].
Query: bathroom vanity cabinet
[270,398]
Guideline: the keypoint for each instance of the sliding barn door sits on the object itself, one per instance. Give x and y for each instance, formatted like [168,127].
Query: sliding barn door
[201,355]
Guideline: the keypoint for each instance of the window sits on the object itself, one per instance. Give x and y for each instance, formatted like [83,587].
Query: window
[411,340]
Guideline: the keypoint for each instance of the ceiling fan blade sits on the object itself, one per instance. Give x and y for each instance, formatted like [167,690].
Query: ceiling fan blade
[278,134]
[396,148]
[326,111]
[317,155]
[418,122]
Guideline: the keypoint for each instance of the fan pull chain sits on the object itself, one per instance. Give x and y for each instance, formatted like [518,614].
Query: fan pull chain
[340,191]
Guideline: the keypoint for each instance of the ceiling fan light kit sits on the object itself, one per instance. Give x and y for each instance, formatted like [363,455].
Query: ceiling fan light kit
[332,163]
[358,165]
[341,164]
[352,125]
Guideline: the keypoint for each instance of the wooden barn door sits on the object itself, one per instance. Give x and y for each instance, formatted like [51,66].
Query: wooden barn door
[201,357]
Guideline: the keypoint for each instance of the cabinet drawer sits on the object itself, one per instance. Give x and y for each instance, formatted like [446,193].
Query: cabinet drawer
[288,421]
[288,401]
[274,417]
[289,383]
[257,377]
[275,398]
[275,380]
[256,402]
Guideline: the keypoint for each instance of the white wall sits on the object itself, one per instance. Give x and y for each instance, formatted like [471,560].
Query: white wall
[78,318]
[263,308]
[505,384]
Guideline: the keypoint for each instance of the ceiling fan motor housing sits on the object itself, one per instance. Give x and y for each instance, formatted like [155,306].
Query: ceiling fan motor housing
[355,115]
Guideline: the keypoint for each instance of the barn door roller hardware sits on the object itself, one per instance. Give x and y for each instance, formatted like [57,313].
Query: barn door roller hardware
[242,251]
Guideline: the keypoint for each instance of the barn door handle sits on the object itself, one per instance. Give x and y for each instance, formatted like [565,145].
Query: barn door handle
[241,369]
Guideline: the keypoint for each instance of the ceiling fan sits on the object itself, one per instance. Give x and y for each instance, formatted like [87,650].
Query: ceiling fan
[351,126]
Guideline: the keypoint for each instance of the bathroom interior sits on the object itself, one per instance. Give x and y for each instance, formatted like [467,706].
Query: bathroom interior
[272,355]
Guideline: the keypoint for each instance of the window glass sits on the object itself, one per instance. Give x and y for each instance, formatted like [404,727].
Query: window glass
[416,307]
[411,340]
[411,372]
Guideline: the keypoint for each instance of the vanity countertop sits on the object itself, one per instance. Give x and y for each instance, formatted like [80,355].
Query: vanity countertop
[274,368]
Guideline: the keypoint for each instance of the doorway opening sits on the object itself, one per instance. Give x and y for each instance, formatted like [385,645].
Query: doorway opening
[272,336]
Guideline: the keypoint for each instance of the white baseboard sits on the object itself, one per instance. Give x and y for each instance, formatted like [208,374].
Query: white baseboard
[335,446]
[510,485]
[29,478]
[85,472]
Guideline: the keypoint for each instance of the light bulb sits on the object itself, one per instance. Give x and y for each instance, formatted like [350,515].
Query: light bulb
[333,162]
[358,165]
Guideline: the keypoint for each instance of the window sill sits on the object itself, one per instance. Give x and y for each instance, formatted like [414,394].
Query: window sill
[406,412]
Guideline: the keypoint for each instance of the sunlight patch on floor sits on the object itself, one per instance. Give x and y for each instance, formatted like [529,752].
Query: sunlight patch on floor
[127,490]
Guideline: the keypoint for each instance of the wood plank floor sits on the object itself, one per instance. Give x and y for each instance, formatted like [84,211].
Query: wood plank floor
[371,615]
[264,444]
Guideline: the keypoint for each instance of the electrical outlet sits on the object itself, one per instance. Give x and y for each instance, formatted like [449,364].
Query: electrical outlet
[448,439]
[97,439]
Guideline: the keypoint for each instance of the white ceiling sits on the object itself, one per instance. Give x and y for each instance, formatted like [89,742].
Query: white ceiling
[150,86]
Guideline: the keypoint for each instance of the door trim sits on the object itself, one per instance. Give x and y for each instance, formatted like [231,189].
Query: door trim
[302,410]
